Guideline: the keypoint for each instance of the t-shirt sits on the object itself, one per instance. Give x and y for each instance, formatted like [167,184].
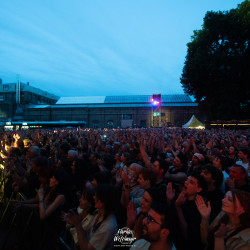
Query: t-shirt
[193,219]
[103,237]
[85,225]
[140,244]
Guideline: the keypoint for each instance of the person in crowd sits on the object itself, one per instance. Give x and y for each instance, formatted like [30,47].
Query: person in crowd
[28,182]
[196,163]
[93,164]
[188,214]
[63,163]
[72,155]
[100,233]
[213,177]
[244,154]
[237,178]
[79,173]
[133,213]
[221,163]
[101,178]
[131,189]
[32,153]
[125,158]
[63,151]
[160,168]
[52,201]
[232,154]
[146,178]
[231,228]
[86,211]
[148,146]
[156,229]
[212,154]
[177,173]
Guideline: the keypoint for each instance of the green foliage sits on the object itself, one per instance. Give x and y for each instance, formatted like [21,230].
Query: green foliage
[216,71]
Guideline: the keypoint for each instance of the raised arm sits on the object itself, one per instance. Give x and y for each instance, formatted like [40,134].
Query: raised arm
[205,211]
[45,212]
[178,204]
[144,155]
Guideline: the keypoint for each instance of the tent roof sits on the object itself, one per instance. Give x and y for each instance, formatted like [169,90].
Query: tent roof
[193,123]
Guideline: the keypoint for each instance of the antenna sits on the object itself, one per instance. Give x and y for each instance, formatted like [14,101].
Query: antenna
[18,89]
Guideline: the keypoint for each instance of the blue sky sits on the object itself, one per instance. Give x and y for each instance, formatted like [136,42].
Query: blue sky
[100,47]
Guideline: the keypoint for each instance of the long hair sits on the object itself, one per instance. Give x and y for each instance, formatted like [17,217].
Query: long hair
[244,199]
[108,194]
[88,194]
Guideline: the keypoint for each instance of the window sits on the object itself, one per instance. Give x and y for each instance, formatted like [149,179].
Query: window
[5,87]
[110,125]
[143,123]
[95,124]
[127,117]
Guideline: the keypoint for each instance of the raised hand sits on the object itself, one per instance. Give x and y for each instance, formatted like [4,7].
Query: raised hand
[131,214]
[222,231]
[139,140]
[72,218]
[138,227]
[40,192]
[181,199]
[170,192]
[125,178]
[205,210]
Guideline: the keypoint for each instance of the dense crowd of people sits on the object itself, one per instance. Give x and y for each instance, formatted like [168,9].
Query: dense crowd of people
[173,188]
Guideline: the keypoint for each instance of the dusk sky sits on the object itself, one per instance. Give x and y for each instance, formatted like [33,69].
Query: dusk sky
[100,47]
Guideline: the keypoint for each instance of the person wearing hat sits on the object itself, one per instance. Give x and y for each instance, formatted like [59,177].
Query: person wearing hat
[196,163]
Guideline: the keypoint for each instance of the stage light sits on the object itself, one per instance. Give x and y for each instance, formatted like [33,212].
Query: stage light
[156,100]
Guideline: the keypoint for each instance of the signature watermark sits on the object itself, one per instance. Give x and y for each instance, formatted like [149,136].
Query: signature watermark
[125,236]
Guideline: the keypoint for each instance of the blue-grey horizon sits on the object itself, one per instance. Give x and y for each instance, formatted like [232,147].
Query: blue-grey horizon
[100,48]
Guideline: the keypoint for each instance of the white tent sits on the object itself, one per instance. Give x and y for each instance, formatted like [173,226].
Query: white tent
[194,123]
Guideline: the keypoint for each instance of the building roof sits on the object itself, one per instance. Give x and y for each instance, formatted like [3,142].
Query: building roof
[81,100]
[26,87]
[132,99]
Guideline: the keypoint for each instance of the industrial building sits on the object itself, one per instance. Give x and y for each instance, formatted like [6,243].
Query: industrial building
[24,103]
[15,99]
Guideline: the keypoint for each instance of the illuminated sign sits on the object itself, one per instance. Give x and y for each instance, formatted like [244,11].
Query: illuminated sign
[157,114]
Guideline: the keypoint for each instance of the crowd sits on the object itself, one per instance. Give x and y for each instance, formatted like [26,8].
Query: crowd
[173,188]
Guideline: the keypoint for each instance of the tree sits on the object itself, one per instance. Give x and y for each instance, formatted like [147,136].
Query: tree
[217,66]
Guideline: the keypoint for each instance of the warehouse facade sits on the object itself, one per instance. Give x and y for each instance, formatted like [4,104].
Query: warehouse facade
[22,102]
[117,111]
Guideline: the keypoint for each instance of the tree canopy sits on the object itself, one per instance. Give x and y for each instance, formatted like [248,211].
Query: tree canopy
[217,66]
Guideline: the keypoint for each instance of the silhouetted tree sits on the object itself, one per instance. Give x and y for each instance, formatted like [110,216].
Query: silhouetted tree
[217,66]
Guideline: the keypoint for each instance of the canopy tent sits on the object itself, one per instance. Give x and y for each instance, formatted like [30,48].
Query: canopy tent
[194,123]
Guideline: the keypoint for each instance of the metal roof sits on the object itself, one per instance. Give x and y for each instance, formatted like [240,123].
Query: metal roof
[113,105]
[28,88]
[132,99]
[128,99]
[38,106]
[81,99]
